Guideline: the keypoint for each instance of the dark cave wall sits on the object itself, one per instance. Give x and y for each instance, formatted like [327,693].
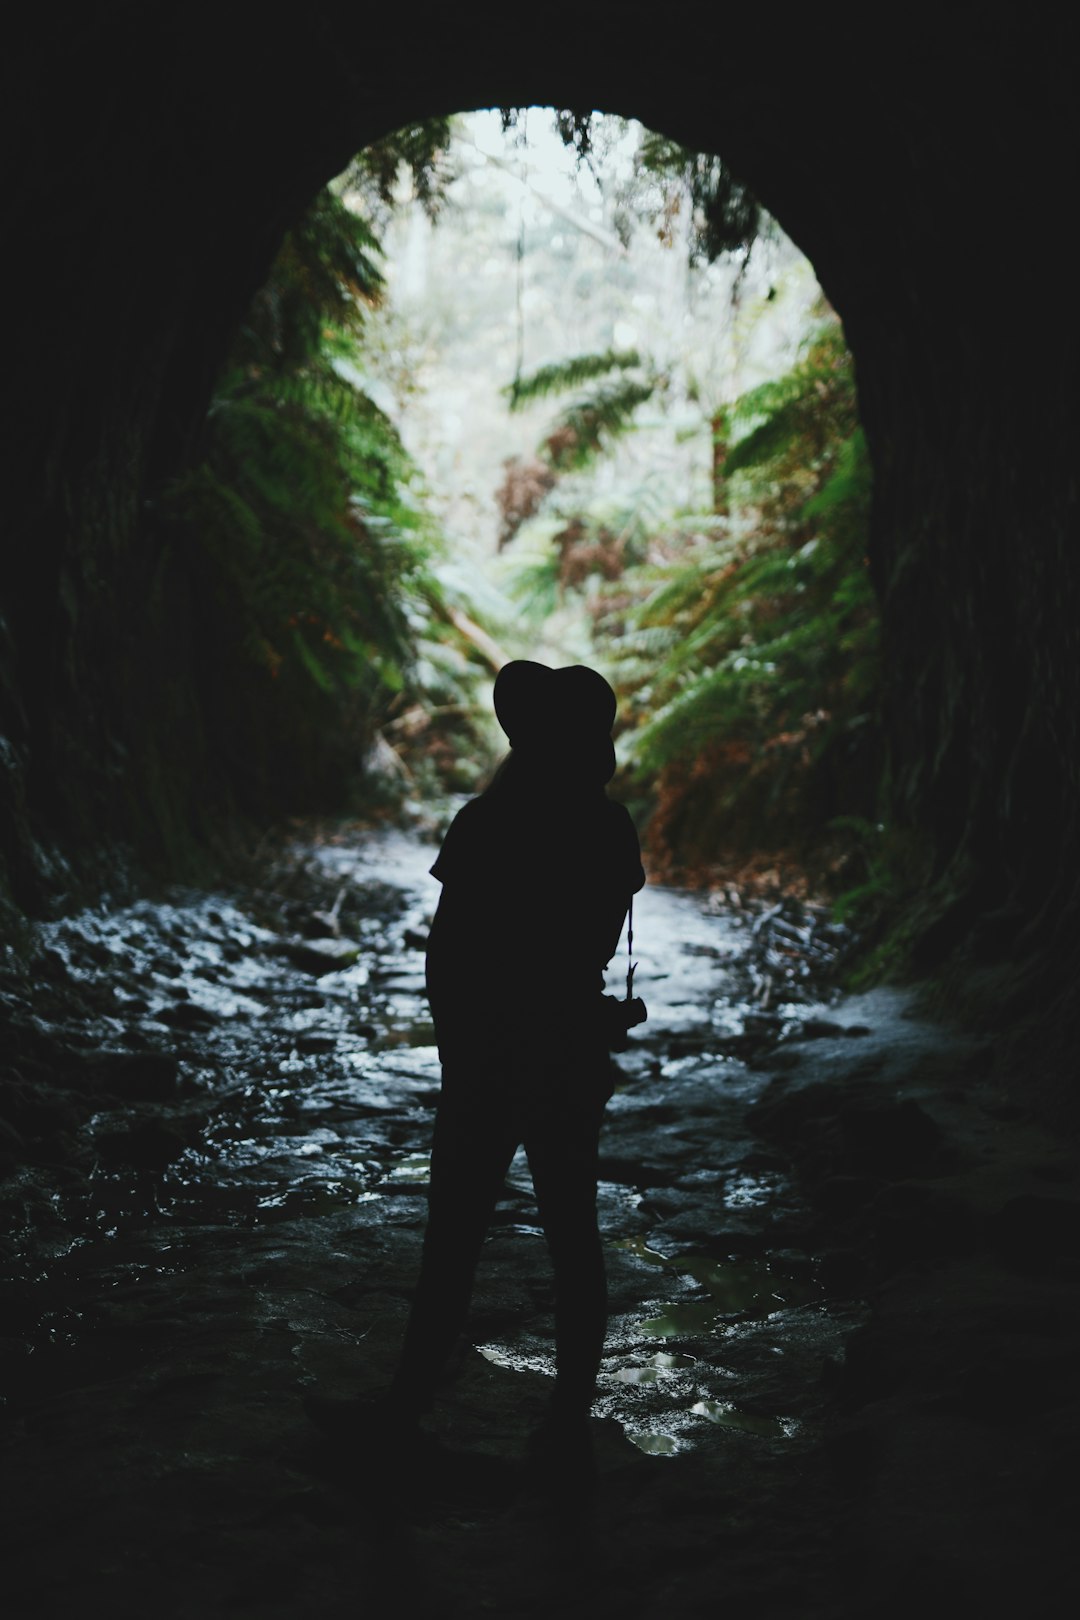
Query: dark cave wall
[157,155]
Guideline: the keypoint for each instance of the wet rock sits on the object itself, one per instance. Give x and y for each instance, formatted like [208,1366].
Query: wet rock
[282,1254]
[187,1015]
[721,1229]
[146,1076]
[151,1144]
[313,1042]
[38,1110]
[788,1113]
[846,1130]
[49,964]
[817,1029]
[785,1062]
[319,956]
[632,1172]
[167,966]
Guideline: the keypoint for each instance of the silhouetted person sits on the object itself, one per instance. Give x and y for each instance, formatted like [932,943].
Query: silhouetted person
[537,875]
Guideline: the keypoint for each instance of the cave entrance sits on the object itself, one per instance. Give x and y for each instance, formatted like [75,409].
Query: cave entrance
[534,384]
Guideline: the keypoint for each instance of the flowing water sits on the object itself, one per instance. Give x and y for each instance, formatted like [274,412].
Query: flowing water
[215,1118]
[264,1061]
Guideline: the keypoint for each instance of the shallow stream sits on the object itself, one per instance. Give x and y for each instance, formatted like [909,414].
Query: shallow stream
[215,1115]
[264,1062]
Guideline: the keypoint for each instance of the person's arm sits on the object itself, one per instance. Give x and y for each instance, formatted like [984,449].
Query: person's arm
[627,878]
[612,923]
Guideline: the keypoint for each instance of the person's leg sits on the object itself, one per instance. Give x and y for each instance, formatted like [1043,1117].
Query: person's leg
[470,1156]
[562,1156]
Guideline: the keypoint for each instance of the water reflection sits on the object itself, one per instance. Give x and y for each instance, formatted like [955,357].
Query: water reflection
[300,1081]
[738,1290]
[727,1416]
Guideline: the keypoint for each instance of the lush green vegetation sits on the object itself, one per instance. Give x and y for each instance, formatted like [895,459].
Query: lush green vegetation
[752,650]
[743,640]
[349,664]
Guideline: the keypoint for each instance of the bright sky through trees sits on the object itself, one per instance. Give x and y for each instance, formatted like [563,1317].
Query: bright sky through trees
[537,257]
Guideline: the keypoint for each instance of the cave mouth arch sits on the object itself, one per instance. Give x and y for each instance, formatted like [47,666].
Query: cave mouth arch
[664,339]
[161,151]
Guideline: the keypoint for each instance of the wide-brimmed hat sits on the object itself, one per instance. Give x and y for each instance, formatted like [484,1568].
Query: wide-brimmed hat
[566,712]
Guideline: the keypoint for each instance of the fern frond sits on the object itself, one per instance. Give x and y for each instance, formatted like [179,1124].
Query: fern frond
[562,375]
[536,588]
[588,426]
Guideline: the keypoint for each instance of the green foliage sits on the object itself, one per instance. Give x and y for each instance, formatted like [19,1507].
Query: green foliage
[757,642]
[589,425]
[583,430]
[574,127]
[745,640]
[883,867]
[564,374]
[314,562]
[422,149]
[537,587]
[589,555]
[725,215]
[324,273]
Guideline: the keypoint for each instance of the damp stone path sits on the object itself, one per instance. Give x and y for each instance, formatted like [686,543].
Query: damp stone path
[839,1262]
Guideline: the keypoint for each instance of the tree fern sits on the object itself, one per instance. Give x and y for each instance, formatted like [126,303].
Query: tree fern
[590,424]
[314,555]
[773,656]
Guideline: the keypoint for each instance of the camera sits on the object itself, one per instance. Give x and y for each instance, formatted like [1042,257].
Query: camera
[619,1018]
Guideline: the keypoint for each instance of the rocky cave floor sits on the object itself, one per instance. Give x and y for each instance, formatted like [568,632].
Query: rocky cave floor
[842,1364]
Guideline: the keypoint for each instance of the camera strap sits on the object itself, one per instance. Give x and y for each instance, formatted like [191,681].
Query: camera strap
[630,963]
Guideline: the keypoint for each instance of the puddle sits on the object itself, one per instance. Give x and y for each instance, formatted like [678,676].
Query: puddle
[661,1364]
[659,1440]
[657,1445]
[516,1361]
[727,1416]
[738,1290]
[682,1321]
[412,1167]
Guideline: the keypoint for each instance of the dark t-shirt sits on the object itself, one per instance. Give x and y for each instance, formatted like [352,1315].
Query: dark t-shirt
[535,893]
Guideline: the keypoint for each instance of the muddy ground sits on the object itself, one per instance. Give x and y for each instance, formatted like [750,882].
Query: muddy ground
[843,1357]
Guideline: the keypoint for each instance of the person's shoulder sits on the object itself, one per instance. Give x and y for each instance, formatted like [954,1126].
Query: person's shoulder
[624,837]
[476,840]
[459,839]
[470,813]
[620,818]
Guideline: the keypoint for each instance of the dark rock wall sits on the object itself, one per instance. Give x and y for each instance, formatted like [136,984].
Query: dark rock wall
[157,154]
